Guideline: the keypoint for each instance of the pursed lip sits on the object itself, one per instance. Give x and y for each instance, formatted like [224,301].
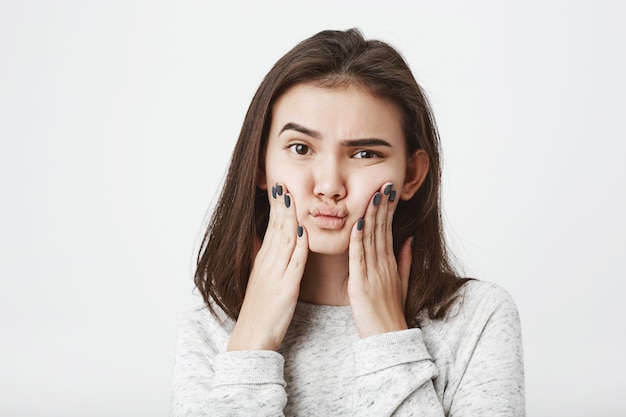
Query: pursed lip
[329,217]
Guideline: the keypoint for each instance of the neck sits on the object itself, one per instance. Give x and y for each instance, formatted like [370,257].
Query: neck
[325,279]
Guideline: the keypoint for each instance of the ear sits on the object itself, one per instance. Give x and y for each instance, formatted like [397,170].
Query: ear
[416,171]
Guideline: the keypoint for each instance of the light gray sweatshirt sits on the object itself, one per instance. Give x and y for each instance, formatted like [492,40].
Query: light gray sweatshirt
[469,364]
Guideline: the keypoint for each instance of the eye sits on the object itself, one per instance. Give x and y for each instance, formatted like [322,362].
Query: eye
[365,154]
[300,149]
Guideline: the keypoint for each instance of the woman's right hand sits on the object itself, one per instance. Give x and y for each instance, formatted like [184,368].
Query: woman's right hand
[274,284]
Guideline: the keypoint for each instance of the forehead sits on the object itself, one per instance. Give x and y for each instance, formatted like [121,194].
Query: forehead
[342,112]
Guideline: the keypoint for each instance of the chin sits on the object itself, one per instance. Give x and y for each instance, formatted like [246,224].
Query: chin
[326,247]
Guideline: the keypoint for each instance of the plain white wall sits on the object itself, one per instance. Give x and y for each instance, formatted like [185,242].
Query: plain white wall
[117,119]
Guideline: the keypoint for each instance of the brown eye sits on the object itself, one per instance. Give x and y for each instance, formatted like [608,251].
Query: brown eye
[366,154]
[300,149]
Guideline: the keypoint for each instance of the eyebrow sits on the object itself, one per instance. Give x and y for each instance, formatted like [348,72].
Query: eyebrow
[301,129]
[366,142]
[350,142]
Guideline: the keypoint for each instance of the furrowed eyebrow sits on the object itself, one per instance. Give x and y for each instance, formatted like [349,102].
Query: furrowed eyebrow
[348,142]
[366,142]
[301,129]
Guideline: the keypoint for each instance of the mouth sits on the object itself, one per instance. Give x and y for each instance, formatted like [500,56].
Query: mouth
[329,217]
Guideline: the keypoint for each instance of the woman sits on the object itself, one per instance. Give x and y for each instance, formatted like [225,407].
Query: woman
[324,270]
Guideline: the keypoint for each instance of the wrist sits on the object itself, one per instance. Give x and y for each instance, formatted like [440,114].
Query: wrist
[246,340]
[371,321]
[373,329]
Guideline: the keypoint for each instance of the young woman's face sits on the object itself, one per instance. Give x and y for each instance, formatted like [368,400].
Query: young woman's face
[333,149]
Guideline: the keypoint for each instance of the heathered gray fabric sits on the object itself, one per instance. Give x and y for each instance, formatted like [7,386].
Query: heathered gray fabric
[469,364]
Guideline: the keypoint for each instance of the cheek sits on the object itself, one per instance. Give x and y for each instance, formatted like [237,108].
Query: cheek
[360,195]
[363,188]
[277,172]
[297,188]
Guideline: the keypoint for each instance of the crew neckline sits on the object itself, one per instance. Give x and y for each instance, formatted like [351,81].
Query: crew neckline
[323,314]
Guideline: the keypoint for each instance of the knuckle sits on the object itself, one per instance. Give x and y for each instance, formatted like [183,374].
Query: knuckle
[360,258]
[296,262]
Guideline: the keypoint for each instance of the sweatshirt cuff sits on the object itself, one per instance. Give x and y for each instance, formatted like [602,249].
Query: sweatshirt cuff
[249,367]
[386,350]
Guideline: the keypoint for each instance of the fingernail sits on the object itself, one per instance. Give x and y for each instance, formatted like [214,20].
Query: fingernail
[300,231]
[287,201]
[376,199]
[388,189]
[274,192]
[359,225]
[279,189]
[392,196]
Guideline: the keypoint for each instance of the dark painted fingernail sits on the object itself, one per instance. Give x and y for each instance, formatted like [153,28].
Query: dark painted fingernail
[392,196]
[274,192]
[359,225]
[300,231]
[287,201]
[279,189]
[376,199]
[388,189]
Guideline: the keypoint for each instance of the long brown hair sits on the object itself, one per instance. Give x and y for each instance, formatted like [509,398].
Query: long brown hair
[329,58]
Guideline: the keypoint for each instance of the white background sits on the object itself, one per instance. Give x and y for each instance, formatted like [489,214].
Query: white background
[117,119]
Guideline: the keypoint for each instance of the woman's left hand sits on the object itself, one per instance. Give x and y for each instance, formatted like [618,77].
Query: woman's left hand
[377,286]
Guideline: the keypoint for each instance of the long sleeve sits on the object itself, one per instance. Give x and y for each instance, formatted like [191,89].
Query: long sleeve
[248,383]
[210,382]
[479,353]
[491,372]
[467,364]
[394,376]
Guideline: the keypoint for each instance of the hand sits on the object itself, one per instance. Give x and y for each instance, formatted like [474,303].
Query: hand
[377,286]
[274,284]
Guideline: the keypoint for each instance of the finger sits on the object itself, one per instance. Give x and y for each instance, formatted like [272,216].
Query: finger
[297,262]
[286,225]
[391,207]
[278,199]
[273,219]
[383,223]
[280,237]
[369,229]
[357,268]
[268,236]
[405,257]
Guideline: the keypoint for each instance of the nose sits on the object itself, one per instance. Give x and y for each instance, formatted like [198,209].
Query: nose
[330,179]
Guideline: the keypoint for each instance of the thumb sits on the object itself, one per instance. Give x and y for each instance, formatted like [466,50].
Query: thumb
[405,258]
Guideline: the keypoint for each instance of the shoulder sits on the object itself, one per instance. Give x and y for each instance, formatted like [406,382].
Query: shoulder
[202,327]
[480,297]
[478,305]
[477,349]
